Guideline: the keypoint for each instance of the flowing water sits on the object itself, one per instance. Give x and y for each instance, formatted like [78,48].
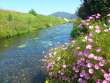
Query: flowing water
[20,57]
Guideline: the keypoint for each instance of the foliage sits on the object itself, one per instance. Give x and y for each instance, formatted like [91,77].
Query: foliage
[77,31]
[77,21]
[15,23]
[33,12]
[85,59]
[90,7]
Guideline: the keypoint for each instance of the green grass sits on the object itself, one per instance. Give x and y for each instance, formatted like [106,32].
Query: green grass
[15,23]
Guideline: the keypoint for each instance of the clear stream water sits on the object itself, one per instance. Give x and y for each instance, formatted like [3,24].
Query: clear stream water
[20,57]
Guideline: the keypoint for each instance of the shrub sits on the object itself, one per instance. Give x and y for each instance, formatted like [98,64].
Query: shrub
[33,12]
[78,30]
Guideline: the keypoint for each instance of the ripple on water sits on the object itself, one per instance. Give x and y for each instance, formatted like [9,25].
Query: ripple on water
[22,62]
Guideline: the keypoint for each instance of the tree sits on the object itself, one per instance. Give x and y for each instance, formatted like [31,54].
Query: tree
[33,12]
[90,7]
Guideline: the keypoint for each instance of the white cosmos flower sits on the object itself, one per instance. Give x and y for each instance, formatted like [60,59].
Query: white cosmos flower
[91,71]
[91,27]
[97,30]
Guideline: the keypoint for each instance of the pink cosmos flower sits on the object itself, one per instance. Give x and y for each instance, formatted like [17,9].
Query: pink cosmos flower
[90,17]
[98,81]
[82,74]
[89,65]
[89,46]
[90,40]
[97,30]
[90,34]
[99,58]
[108,20]
[108,14]
[107,76]
[98,14]
[97,17]
[106,30]
[64,66]
[96,66]
[105,81]
[95,57]
[65,78]
[82,59]
[76,70]
[62,73]
[91,55]
[98,49]
[97,27]
[49,66]
[80,53]
[101,64]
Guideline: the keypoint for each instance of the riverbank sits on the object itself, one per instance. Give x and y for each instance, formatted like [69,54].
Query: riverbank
[86,59]
[15,23]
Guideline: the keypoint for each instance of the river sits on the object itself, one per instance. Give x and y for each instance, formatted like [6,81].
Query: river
[20,57]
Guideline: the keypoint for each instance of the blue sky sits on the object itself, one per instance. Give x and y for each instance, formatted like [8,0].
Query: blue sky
[41,6]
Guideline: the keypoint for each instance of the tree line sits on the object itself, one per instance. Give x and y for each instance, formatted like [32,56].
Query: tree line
[90,7]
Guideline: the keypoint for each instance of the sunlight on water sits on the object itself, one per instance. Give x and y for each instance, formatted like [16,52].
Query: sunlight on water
[20,57]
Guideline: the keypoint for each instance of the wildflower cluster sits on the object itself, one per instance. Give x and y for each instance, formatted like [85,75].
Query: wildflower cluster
[89,64]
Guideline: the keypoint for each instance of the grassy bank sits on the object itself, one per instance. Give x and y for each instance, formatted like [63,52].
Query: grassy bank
[86,59]
[15,23]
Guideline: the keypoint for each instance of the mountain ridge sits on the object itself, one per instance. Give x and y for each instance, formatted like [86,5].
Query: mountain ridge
[64,15]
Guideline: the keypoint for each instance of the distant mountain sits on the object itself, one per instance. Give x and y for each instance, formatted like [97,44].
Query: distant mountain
[64,15]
